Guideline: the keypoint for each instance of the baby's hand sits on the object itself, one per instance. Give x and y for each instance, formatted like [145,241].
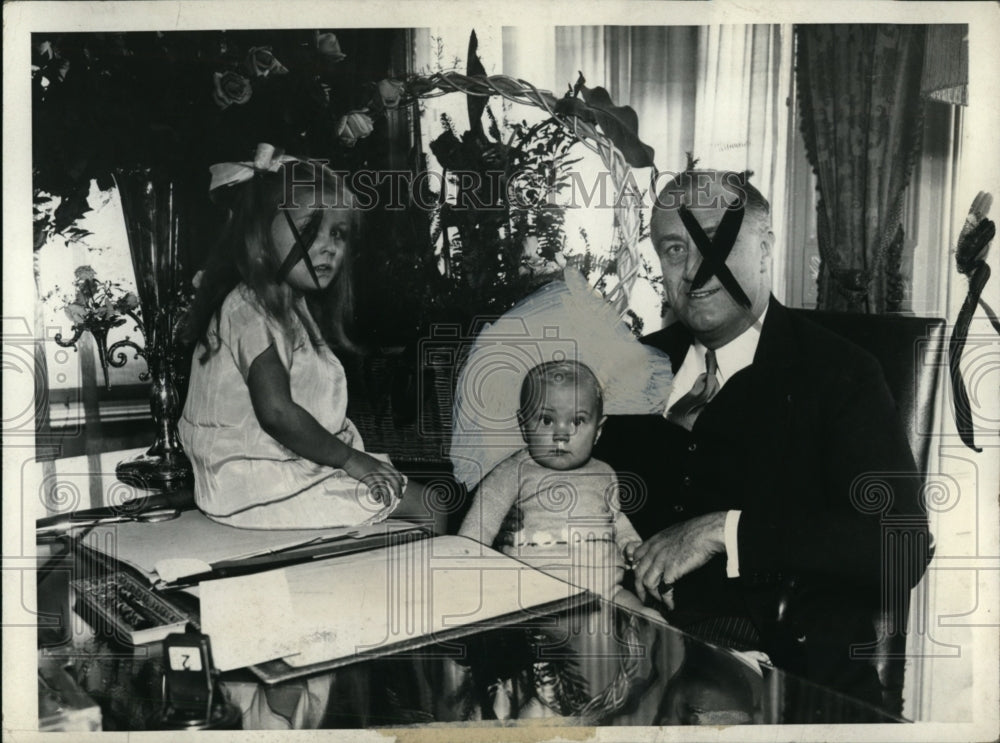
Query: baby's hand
[382,479]
[629,551]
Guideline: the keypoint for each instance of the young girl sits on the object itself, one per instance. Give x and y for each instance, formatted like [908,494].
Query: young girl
[264,423]
[571,522]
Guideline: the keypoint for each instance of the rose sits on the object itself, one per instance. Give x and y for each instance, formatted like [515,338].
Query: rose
[75,312]
[354,126]
[106,309]
[85,281]
[390,91]
[230,87]
[84,273]
[328,46]
[261,62]
[126,303]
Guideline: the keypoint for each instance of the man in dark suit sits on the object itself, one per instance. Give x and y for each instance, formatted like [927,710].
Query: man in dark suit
[761,513]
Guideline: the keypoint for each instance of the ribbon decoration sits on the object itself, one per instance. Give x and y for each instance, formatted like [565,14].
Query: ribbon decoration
[716,249]
[264,161]
[970,257]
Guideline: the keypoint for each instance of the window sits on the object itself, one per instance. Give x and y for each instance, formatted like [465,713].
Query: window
[82,410]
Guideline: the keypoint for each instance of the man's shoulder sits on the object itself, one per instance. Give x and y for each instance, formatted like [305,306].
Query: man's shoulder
[672,340]
[788,336]
[822,347]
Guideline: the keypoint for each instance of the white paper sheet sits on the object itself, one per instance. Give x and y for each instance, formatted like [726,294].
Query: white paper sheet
[339,607]
[246,619]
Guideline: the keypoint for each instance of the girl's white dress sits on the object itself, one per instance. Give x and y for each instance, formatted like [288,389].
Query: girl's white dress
[243,476]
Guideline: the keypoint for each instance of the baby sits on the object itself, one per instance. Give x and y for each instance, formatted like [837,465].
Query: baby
[571,521]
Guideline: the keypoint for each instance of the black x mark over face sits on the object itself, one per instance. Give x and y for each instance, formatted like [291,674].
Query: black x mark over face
[715,263]
[715,250]
[311,245]
[300,249]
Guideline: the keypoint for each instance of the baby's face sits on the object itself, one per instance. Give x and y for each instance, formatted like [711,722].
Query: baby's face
[561,430]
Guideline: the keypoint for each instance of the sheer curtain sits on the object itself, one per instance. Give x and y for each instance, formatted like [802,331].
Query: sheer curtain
[719,92]
[650,68]
[742,114]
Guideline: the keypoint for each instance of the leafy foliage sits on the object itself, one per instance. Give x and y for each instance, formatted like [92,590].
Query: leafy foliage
[619,123]
[503,233]
[499,236]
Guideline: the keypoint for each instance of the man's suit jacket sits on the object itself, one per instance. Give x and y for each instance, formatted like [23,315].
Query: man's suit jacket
[807,443]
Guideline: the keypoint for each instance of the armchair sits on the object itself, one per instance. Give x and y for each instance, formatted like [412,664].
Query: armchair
[910,352]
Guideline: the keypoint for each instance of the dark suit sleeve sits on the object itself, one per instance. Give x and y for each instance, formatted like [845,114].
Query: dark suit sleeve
[857,515]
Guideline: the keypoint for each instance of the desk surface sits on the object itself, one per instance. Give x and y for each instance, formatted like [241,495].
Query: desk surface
[595,664]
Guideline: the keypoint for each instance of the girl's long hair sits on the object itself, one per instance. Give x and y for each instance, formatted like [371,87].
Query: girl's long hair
[246,253]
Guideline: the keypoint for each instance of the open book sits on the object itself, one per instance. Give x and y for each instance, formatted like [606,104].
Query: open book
[328,613]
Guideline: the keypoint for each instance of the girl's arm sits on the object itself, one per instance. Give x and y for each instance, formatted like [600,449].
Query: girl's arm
[295,428]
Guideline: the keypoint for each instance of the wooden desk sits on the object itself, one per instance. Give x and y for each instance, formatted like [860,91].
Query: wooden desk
[590,665]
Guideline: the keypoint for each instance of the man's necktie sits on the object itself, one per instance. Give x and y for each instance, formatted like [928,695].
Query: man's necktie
[685,411]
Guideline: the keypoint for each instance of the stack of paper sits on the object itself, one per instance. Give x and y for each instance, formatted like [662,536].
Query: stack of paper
[359,604]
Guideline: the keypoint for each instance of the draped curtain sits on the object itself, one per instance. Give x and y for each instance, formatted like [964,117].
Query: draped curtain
[859,96]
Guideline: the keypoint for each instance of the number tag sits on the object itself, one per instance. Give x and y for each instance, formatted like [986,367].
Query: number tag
[188,685]
[185,659]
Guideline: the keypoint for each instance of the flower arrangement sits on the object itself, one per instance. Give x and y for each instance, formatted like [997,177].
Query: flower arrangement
[98,302]
[98,307]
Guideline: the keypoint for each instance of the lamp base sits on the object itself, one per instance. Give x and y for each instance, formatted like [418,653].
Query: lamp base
[161,471]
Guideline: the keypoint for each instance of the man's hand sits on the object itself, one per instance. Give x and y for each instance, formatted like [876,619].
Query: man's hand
[676,551]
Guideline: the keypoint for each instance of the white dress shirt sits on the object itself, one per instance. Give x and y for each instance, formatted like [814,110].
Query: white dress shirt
[735,355]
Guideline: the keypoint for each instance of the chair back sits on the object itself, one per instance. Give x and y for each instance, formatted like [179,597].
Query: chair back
[910,352]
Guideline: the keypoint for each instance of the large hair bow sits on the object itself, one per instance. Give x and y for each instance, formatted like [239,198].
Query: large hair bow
[267,159]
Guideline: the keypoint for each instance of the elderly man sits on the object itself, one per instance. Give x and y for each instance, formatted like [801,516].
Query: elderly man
[755,536]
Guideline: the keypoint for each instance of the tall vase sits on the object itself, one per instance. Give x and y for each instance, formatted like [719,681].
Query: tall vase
[152,208]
